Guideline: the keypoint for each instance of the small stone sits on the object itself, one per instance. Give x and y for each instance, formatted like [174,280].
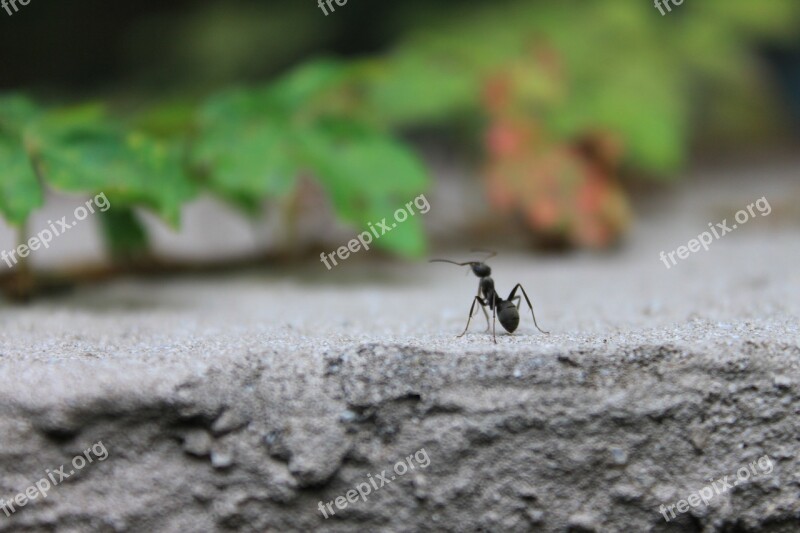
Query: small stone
[566,359]
[227,422]
[783,382]
[202,494]
[698,436]
[348,416]
[527,492]
[582,522]
[222,454]
[625,493]
[227,505]
[420,487]
[197,442]
[619,455]
[221,459]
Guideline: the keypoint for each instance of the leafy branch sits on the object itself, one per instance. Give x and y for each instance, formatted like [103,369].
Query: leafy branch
[547,77]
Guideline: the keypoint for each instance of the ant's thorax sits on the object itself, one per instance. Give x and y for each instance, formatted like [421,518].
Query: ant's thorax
[487,288]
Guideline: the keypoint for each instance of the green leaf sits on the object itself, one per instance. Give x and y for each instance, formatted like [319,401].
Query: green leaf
[20,192]
[302,87]
[648,113]
[246,145]
[253,144]
[160,174]
[81,152]
[369,176]
[413,88]
[166,120]
[15,112]
[294,93]
[243,156]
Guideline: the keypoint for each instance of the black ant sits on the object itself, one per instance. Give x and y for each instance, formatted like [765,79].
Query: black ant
[507,311]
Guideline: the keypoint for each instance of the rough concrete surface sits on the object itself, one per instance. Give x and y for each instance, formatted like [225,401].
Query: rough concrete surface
[239,404]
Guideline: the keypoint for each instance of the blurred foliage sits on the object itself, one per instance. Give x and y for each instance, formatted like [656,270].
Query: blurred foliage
[567,192]
[566,94]
[253,144]
[21,193]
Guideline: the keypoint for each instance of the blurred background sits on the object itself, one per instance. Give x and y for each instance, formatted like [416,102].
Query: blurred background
[237,382]
[246,133]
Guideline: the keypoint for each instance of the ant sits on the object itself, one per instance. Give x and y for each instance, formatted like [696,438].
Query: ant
[507,311]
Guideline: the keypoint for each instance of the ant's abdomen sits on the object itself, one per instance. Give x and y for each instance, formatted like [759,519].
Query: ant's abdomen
[509,318]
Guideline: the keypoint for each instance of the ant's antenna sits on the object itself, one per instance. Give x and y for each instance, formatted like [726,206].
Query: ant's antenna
[490,252]
[468,263]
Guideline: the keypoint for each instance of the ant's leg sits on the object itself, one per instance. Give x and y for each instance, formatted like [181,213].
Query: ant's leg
[494,323]
[485,314]
[471,311]
[487,319]
[514,293]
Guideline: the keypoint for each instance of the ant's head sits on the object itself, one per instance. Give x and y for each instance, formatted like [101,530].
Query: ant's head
[481,270]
